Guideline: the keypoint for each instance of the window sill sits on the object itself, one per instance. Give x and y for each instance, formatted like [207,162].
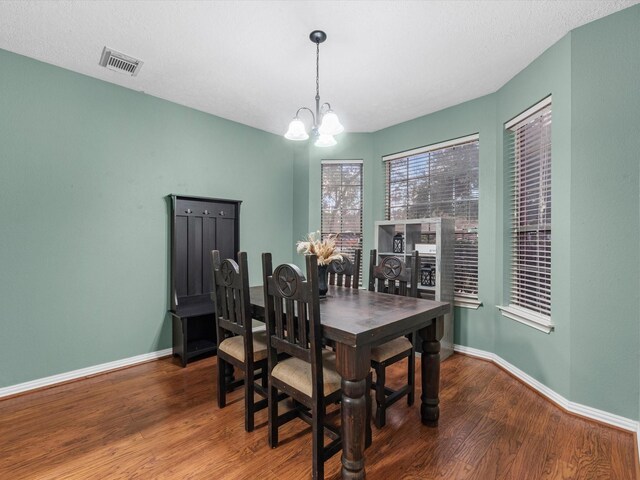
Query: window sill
[467,302]
[527,317]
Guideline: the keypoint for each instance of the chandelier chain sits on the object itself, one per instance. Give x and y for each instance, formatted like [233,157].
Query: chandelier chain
[317,70]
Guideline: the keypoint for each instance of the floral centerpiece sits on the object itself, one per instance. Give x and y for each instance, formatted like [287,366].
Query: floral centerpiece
[325,250]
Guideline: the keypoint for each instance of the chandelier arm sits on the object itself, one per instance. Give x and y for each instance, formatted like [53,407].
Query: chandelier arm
[325,104]
[310,111]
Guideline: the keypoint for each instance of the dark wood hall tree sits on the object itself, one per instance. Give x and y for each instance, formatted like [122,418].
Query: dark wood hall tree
[198,225]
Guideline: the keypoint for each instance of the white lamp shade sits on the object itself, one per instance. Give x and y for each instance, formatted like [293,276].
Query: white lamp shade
[325,141]
[330,124]
[296,131]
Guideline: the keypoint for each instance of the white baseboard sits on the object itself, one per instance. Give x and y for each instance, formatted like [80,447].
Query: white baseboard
[576,408]
[81,373]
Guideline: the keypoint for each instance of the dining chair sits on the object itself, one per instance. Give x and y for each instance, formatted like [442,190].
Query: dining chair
[393,276]
[238,345]
[308,376]
[345,272]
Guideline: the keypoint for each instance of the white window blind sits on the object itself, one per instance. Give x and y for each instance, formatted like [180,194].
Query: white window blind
[341,209]
[529,150]
[441,181]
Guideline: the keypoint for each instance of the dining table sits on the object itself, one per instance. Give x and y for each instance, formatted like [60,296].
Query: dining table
[357,320]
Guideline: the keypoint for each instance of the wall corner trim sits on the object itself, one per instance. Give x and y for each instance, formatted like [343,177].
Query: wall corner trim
[82,373]
[571,407]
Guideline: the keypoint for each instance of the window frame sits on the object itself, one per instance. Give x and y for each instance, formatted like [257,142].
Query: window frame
[467,300]
[526,168]
[323,232]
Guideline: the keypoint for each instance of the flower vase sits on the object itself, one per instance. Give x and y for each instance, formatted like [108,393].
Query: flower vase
[323,288]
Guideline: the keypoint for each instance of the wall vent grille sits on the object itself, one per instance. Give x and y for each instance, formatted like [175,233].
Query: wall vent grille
[119,62]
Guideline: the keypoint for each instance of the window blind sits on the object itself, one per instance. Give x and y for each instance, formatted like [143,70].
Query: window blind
[441,181]
[529,148]
[341,204]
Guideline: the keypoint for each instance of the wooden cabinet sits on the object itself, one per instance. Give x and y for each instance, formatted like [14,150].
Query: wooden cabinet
[435,238]
[198,225]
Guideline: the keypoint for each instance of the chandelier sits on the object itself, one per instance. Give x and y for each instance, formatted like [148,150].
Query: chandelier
[325,121]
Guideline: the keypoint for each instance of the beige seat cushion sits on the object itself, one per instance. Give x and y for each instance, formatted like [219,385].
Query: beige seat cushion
[234,346]
[390,349]
[297,373]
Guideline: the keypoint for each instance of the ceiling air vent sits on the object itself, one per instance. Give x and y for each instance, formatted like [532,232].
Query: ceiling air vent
[119,62]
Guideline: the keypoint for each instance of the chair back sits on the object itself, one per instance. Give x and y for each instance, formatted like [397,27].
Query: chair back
[292,314]
[345,272]
[231,297]
[394,276]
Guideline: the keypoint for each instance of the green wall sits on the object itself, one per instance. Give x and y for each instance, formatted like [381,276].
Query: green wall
[301,195]
[605,215]
[592,357]
[84,170]
[544,357]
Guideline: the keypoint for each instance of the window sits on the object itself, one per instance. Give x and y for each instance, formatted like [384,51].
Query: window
[341,212]
[529,154]
[441,181]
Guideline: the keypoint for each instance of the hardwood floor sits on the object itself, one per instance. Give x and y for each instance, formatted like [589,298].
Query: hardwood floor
[158,420]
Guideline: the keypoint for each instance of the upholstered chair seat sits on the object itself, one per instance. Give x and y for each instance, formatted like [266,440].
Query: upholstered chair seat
[297,373]
[234,346]
[390,349]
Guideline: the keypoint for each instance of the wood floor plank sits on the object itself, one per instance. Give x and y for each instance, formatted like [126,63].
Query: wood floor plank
[161,421]
[593,455]
[537,446]
[622,459]
[506,411]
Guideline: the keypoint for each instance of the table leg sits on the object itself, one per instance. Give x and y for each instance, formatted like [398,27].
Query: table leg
[353,366]
[430,362]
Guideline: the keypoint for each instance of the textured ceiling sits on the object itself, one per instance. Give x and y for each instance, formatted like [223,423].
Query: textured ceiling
[384,62]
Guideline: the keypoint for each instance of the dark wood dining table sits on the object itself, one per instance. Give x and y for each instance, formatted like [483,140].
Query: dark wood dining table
[356,320]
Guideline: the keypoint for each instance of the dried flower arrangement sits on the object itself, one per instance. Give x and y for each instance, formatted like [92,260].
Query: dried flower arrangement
[324,249]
